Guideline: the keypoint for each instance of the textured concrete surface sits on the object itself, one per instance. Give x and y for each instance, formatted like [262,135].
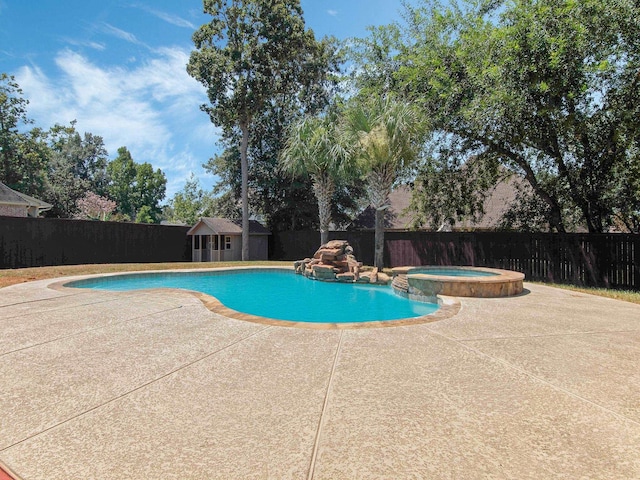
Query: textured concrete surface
[154,385]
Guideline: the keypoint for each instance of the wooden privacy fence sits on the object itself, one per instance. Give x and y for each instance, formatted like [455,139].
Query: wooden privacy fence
[604,260]
[38,242]
[601,260]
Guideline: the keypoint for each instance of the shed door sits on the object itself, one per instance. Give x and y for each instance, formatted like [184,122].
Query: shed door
[204,245]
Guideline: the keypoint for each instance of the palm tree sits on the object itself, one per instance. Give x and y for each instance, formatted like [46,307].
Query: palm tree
[388,135]
[315,148]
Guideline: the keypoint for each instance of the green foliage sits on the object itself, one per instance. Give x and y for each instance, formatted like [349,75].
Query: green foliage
[251,51]
[447,190]
[376,62]
[122,173]
[387,135]
[76,165]
[626,199]
[317,147]
[547,88]
[23,155]
[145,215]
[134,186]
[190,203]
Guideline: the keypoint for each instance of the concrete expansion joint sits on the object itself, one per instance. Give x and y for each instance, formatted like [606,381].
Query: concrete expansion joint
[39,300]
[139,387]
[83,332]
[325,408]
[537,378]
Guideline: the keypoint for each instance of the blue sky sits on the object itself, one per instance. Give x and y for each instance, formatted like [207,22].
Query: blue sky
[117,67]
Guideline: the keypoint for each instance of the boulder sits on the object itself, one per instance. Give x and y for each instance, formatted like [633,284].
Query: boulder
[373,275]
[346,277]
[341,244]
[323,272]
[301,265]
[383,278]
[327,258]
[334,260]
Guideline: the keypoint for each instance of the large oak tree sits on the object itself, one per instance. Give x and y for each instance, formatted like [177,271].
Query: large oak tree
[549,88]
[250,52]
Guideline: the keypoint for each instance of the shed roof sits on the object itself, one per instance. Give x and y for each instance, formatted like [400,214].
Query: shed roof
[224,226]
[9,196]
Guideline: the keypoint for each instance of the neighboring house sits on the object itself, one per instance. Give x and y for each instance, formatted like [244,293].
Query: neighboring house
[399,217]
[219,239]
[16,204]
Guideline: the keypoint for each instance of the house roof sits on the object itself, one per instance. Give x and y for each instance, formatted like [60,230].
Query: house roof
[12,197]
[399,217]
[224,226]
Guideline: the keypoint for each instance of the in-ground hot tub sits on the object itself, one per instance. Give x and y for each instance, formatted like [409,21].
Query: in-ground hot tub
[426,282]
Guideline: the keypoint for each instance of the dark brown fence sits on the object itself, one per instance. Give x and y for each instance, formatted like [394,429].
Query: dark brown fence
[36,242]
[606,260]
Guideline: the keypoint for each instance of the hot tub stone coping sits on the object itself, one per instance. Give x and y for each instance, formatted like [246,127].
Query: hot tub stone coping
[505,283]
[501,274]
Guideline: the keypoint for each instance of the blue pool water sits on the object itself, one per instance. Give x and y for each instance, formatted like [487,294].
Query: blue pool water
[278,294]
[452,272]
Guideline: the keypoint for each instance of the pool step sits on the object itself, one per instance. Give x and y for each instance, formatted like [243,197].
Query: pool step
[400,283]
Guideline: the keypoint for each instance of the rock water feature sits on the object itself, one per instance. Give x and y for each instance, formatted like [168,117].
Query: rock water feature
[334,262]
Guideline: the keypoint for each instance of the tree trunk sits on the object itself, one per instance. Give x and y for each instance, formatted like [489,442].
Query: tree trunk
[379,185]
[378,260]
[323,189]
[244,167]
[555,215]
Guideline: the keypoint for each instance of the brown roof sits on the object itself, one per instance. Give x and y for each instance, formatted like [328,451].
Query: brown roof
[12,197]
[224,226]
[399,217]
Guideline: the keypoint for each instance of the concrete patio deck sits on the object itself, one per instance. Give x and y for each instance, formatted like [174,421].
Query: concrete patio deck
[151,385]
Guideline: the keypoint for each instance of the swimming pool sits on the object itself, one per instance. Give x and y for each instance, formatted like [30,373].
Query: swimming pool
[277,294]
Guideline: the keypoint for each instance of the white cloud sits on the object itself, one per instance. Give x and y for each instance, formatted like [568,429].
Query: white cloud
[333,13]
[121,34]
[89,44]
[169,18]
[151,108]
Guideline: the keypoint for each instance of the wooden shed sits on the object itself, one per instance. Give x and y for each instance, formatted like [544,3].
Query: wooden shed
[220,240]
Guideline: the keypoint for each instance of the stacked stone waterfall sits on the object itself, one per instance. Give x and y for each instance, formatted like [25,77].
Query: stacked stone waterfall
[334,262]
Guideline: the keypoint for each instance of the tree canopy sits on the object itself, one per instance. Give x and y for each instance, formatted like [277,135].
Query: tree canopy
[136,188]
[191,203]
[549,89]
[387,136]
[76,165]
[317,148]
[64,168]
[23,155]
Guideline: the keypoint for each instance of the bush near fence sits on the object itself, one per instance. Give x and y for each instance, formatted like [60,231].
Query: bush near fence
[39,242]
[597,260]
